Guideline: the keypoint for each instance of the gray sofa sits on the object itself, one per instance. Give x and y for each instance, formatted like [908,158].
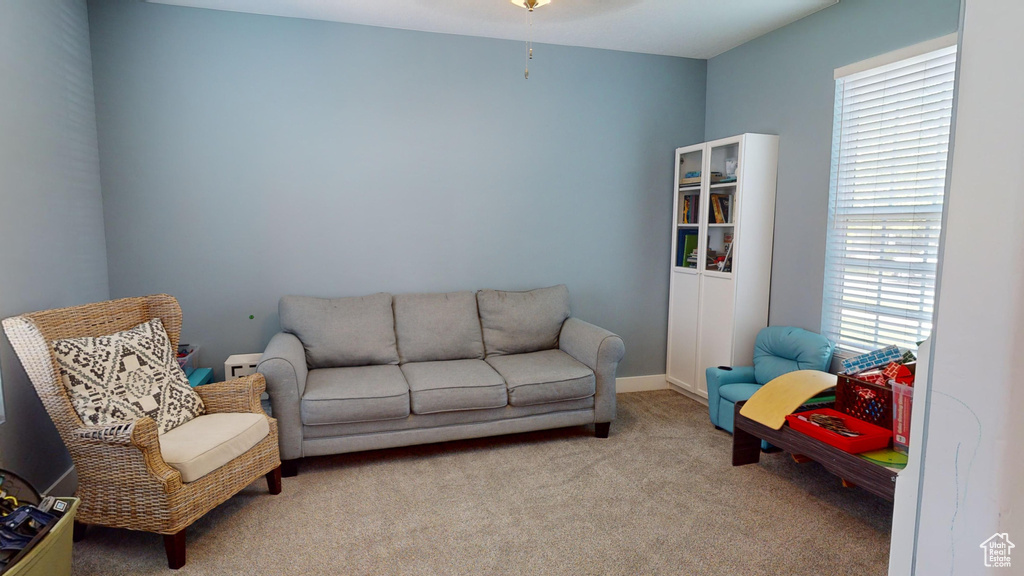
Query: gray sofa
[380,371]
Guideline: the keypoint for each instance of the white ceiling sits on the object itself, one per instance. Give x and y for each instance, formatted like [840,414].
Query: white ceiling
[689,28]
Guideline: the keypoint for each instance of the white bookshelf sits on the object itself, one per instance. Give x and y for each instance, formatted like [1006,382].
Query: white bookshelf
[721,255]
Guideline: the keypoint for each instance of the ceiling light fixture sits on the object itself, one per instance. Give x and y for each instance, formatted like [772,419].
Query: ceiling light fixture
[529,5]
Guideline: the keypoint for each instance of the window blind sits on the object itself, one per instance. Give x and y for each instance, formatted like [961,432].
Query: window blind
[889,145]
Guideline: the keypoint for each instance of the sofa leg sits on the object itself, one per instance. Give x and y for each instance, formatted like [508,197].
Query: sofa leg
[274,480]
[290,468]
[174,544]
[601,429]
[78,531]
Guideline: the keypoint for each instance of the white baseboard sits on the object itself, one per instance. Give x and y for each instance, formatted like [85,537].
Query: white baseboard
[640,383]
[696,397]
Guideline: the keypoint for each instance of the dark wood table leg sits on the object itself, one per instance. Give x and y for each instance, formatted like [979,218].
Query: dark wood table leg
[174,544]
[78,531]
[274,480]
[746,448]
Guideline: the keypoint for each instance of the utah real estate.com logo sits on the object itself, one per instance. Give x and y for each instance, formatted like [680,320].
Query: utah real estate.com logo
[997,550]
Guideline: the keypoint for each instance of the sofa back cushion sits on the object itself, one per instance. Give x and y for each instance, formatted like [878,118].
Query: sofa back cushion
[437,327]
[779,350]
[520,322]
[341,332]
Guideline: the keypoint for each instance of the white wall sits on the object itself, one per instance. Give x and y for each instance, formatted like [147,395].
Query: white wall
[972,458]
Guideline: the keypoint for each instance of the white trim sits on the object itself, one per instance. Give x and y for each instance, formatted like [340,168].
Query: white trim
[640,383]
[58,482]
[695,396]
[897,55]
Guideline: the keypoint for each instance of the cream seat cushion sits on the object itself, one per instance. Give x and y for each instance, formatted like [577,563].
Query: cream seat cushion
[208,442]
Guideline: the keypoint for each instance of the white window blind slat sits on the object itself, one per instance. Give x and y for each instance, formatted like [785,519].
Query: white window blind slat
[890,142]
[895,84]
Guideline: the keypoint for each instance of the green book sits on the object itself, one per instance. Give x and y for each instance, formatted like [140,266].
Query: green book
[689,247]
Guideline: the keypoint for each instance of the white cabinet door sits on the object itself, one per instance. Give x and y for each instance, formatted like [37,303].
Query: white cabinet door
[716,327]
[682,330]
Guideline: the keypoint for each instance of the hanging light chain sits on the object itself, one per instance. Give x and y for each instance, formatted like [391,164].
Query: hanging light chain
[529,38]
[529,5]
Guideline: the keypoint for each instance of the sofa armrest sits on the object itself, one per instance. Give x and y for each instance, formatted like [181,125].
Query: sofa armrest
[124,453]
[601,351]
[238,395]
[717,377]
[283,365]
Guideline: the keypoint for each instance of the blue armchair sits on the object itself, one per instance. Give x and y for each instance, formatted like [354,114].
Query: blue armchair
[777,351]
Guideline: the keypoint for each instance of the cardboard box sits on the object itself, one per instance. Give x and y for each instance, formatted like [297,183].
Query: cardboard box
[902,399]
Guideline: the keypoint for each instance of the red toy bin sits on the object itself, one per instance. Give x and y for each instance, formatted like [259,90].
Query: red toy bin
[872,437]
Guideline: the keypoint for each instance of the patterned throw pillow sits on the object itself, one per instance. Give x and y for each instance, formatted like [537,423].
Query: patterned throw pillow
[125,376]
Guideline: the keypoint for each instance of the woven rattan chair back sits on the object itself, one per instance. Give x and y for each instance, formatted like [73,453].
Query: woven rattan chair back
[31,335]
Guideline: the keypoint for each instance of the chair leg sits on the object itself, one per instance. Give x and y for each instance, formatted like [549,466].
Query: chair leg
[78,531]
[274,480]
[601,429]
[174,544]
[289,468]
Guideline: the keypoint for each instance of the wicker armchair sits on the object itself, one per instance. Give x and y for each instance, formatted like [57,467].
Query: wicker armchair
[123,481]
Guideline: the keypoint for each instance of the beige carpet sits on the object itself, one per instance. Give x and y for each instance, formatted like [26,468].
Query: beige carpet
[657,497]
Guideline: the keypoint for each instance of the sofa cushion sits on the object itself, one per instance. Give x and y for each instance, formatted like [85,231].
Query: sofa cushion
[208,442]
[340,332]
[519,322]
[542,377]
[738,392]
[355,394]
[437,327]
[454,385]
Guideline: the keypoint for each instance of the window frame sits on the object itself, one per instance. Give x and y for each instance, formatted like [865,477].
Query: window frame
[838,266]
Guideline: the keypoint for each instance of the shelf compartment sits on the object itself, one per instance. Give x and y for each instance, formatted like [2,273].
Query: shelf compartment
[690,169]
[688,205]
[721,209]
[725,163]
[687,243]
[718,250]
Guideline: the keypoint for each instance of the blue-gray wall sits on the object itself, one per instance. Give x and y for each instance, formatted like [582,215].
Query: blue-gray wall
[782,83]
[51,214]
[245,157]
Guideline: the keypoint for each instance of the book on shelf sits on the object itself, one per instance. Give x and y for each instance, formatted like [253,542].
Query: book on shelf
[688,209]
[690,249]
[689,178]
[716,205]
[686,246]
